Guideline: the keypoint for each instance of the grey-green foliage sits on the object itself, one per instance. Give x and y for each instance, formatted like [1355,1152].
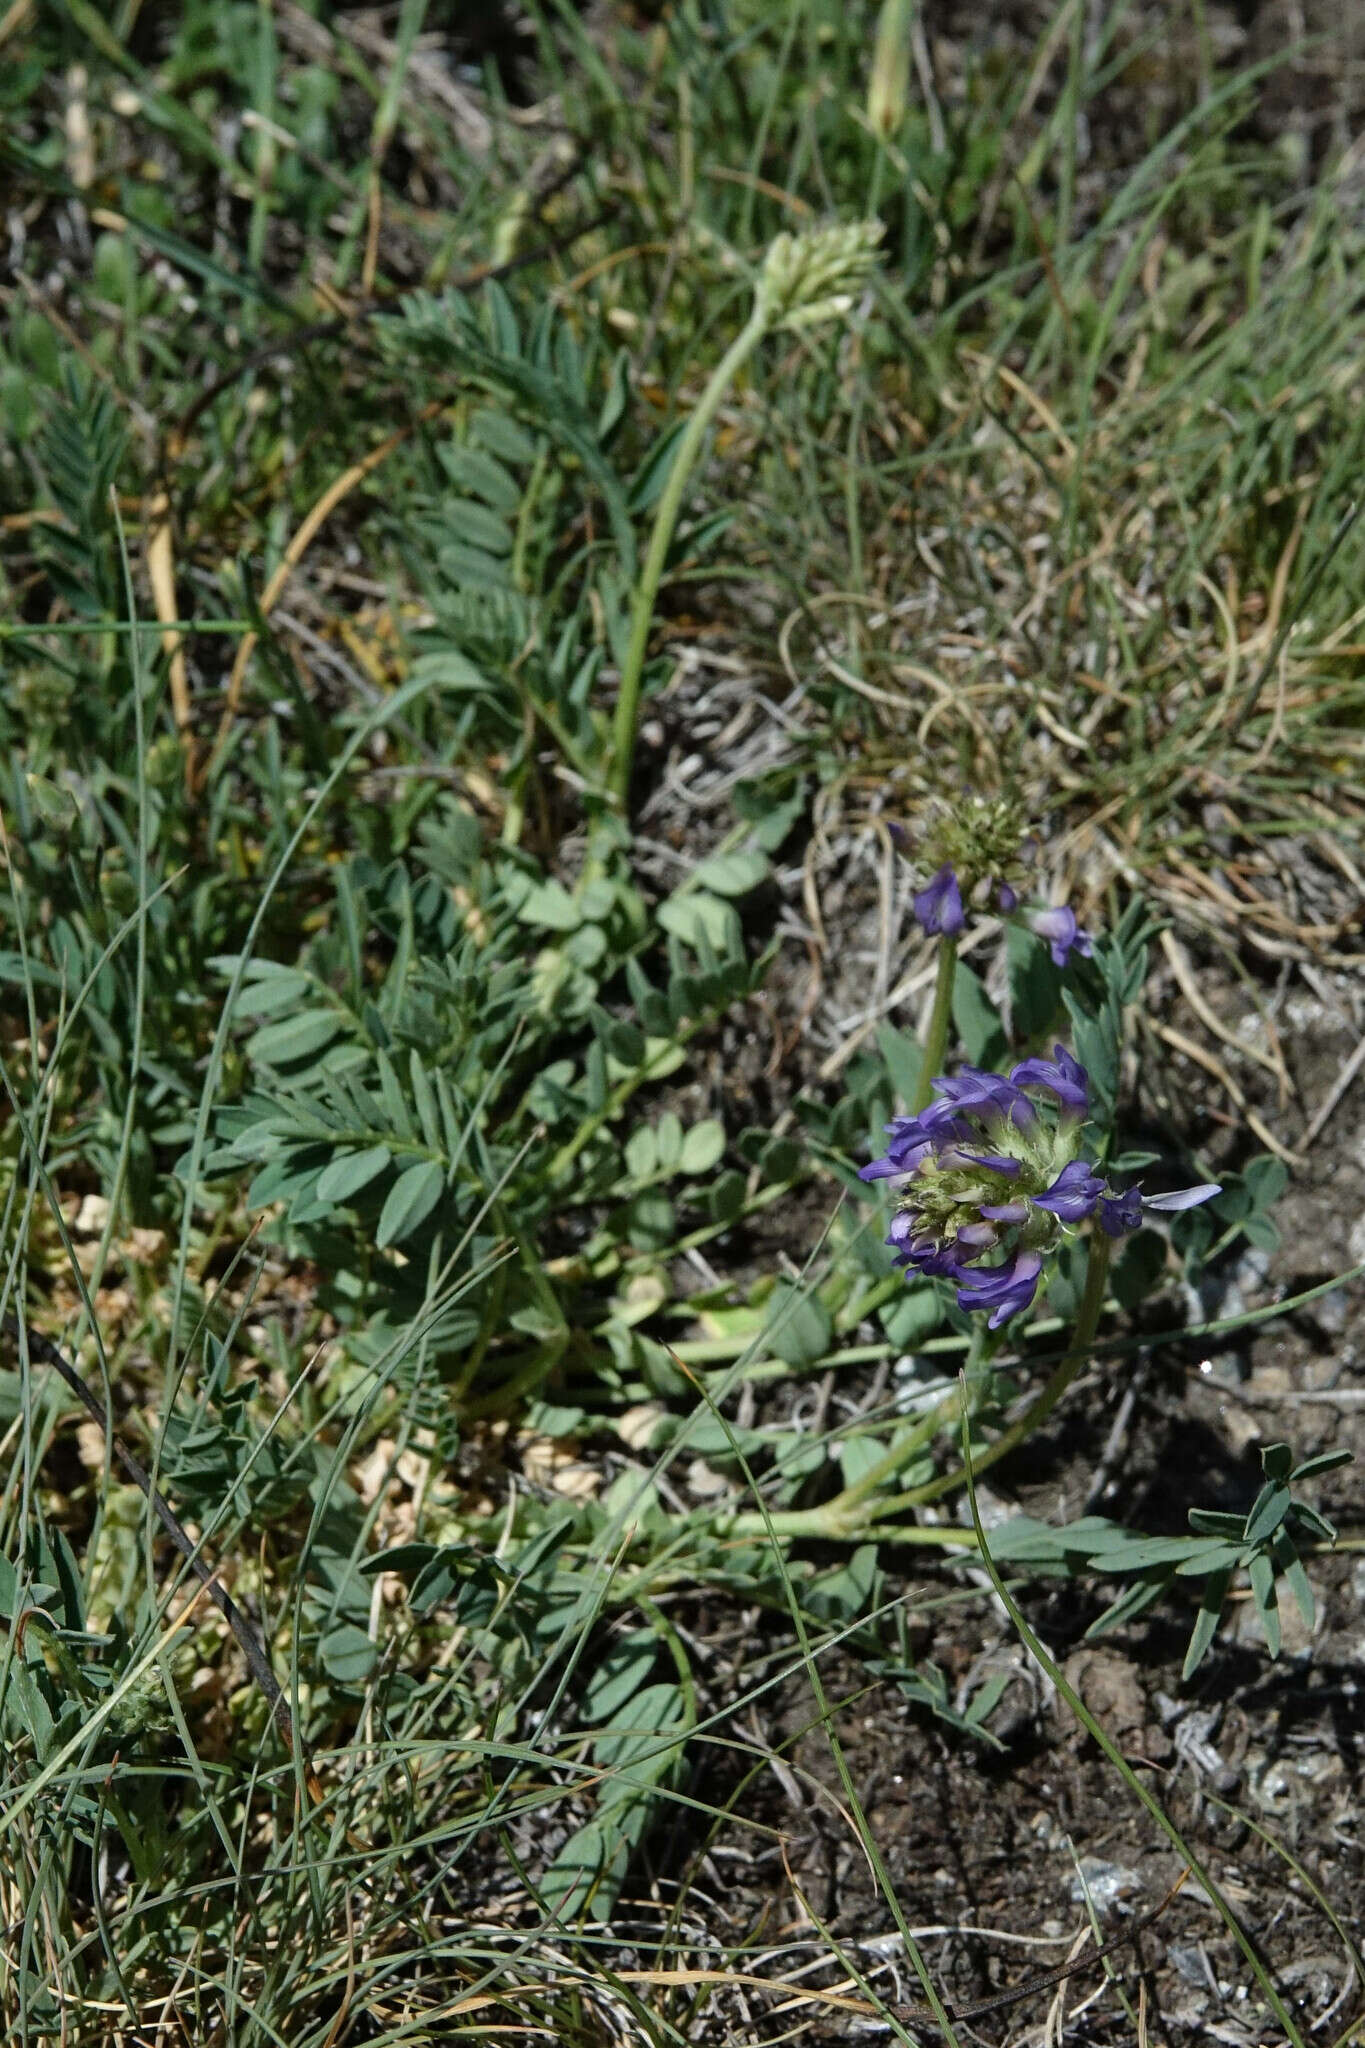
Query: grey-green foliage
[1265,1543]
[461,1061]
[79,446]
[539,367]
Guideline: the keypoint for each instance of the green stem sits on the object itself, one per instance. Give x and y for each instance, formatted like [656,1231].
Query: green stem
[819,1525]
[665,519]
[845,1516]
[1087,1322]
[940,1019]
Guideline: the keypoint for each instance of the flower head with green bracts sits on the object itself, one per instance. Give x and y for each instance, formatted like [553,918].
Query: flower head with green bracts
[987,1168]
[976,851]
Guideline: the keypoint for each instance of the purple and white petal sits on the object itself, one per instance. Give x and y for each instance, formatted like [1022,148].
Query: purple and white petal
[1063,935]
[974,1092]
[887,1168]
[1004,1290]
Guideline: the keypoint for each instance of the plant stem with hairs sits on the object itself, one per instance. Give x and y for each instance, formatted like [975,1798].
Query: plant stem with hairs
[804,280]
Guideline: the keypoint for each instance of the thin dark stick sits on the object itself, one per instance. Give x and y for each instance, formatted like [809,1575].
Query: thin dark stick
[253,1649]
[920,2015]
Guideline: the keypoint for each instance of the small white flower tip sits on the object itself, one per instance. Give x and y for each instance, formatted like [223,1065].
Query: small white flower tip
[1184,1198]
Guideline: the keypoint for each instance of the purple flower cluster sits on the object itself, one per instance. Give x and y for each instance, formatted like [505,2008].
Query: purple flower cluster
[982,1170]
[940,912]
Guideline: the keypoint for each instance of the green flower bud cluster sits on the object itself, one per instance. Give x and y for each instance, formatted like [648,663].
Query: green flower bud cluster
[980,840]
[809,278]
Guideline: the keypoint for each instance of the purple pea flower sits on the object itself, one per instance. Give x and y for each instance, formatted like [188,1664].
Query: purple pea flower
[1073,1194]
[1004,1290]
[913,1138]
[938,906]
[1066,1078]
[920,1253]
[1006,898]
[982,1170]
[1062,933]
[974,1092]
[1119,1213]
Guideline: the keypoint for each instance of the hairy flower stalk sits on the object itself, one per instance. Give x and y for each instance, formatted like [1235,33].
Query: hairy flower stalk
[989,1185]
[805,279]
